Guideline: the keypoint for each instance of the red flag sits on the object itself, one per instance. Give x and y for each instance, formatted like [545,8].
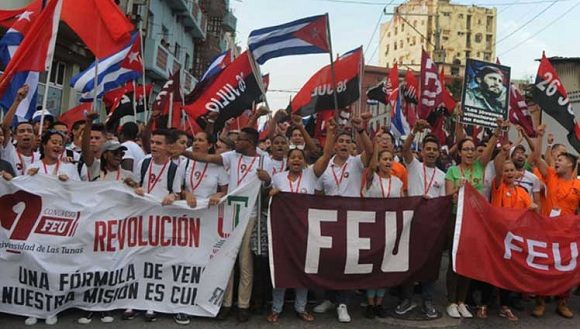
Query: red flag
[393,85]
[230,93]
[37,48]
[99,23]
[75,114]
[551,96]
[322,118]
[518,111]
[113,97]
[9,17]
[317,93]
[447,99]
[515,249]
[431,87]
[171,86]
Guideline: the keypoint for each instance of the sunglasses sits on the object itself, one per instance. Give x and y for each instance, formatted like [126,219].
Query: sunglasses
[296,147]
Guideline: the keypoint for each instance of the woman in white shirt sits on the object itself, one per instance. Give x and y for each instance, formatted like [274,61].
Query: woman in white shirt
[51,147]
[379,182]
[299,179]
[203,179]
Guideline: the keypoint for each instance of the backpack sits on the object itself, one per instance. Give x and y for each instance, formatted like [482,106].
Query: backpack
[170,173]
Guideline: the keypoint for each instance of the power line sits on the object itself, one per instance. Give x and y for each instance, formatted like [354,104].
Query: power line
[500,4]
[542,29]
[527,22]
[377,26]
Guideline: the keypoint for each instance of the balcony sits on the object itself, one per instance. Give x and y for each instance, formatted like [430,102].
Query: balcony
[160,63]
[178,5]
[229,22]
[195,20]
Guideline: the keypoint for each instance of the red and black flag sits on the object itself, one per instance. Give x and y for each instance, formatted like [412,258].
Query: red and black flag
[231,93]
[317,94]
[551,96]
[123,109]
[518,111]
[378,93]
[171,92]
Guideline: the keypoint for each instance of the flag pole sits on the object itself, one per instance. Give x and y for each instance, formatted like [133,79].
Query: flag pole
[332,73]
[169,120]
[134,102]
[360,83]
[49,58]
[258,75]
[146,112]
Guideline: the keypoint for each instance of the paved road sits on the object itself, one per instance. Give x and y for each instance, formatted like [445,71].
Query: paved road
[289,321]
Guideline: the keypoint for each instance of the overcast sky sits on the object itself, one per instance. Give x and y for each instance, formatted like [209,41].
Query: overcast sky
[352,23]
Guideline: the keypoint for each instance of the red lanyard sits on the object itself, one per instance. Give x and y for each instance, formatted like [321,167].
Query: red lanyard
[338,182]
[427,187]
[247,169]
[383,189]
[201,176]
[150,186]
[55,171]
[281,167]
[22,164]
[297,185]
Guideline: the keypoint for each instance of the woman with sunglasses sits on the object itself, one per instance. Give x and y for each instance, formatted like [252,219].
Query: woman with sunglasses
[299,178]
[470,169]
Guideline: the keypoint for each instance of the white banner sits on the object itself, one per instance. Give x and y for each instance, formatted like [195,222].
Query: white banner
[98,246]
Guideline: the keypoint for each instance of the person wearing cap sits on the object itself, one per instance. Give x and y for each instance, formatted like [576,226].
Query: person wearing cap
[490,93]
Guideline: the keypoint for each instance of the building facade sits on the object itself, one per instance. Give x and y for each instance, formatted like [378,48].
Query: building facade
[450,33]
[176,35]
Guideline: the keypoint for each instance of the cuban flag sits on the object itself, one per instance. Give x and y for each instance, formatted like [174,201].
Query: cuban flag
[29,53]
[304,36]
[399,125]
[9,43]
[114,71]
[218,64]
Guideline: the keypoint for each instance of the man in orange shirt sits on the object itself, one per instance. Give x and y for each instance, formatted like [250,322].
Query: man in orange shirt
[562,198]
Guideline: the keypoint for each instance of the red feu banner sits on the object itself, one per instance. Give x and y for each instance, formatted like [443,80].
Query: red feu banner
[517,250]
[363,243]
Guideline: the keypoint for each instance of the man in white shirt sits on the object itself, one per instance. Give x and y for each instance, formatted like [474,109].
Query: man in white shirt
[243,163]
[134,153]
[92,142]
[343,177]
[23,154]
[426,180]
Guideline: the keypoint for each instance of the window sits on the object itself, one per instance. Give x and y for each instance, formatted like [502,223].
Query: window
[187,62]
[414,40]
[467,54]
[445,38]
[460,16]
[396,30]
[164,32]
[403,27]
[415,23]
[388,34]
[478,37]
[214,25]
[177,50]
[395,45]
[56,74]
[401,44]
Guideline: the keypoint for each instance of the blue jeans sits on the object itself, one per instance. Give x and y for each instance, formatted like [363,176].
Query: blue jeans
[299,302]
[426,290]
[372,293]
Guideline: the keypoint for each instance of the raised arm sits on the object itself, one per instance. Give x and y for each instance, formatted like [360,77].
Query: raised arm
[322,162]
[363,138]
[499,162]
[9,116]
[259,112]
[536,158]
[487,153]
[420,125]
[308,143]
[88,156]
[204,157]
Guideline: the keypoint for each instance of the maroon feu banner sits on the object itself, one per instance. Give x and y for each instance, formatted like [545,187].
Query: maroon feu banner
[350,243]
[517,250]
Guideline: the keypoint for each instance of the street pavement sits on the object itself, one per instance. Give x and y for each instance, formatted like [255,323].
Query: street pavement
[289,321]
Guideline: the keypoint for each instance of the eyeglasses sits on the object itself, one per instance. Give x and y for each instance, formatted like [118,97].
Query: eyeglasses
[468,149]
[296,147]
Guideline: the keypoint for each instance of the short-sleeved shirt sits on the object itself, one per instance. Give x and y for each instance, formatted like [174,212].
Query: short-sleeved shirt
[474,176]
[20,162]
[201,178]
[401,172]
[343,180]
[155,180]
[306,184]
[529,182]
[57,169]
[515,197]
[134,152]
[434,183]
[563,195]
[391,187]
[277,166]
